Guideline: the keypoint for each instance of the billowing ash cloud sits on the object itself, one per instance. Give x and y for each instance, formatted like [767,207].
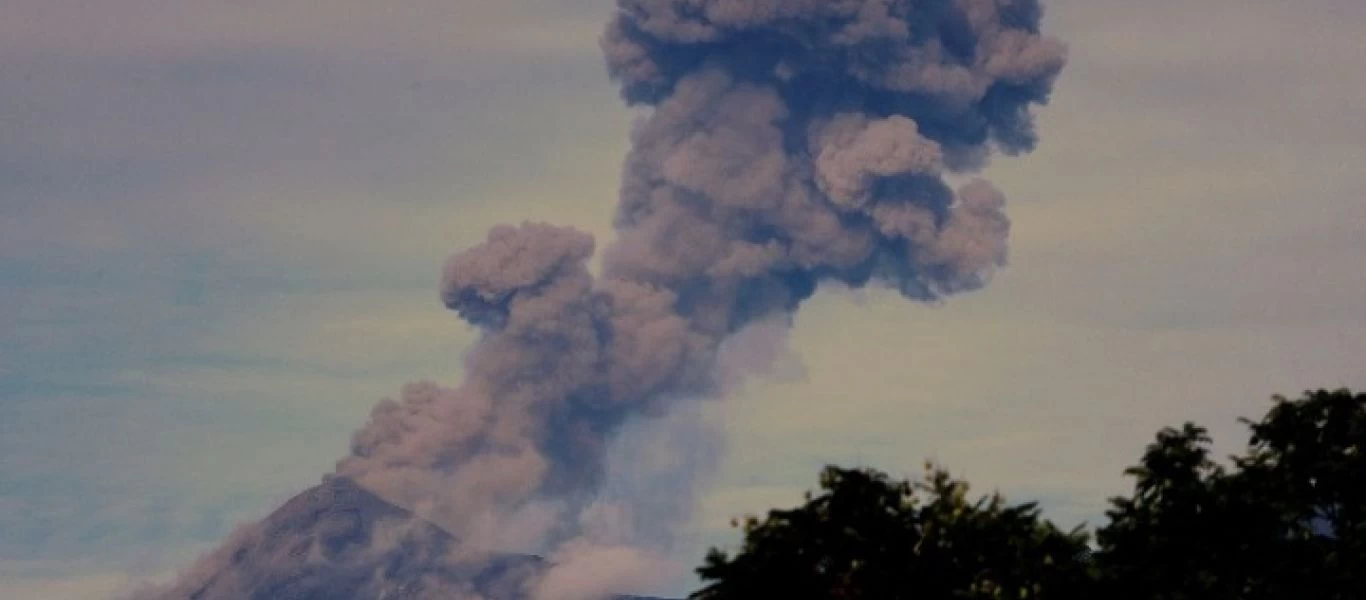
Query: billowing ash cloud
[790,142]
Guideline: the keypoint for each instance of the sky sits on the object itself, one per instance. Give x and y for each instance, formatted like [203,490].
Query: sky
[222,226]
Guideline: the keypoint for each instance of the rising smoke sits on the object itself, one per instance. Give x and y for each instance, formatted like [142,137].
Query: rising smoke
[788,142]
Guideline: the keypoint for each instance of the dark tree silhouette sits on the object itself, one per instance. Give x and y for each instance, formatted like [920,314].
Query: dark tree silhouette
[866,536]
[1285,519]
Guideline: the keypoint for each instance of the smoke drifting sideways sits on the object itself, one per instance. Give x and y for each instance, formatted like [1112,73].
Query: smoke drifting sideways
[788,142]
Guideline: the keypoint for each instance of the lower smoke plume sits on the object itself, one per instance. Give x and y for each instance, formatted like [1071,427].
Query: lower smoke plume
[790,142]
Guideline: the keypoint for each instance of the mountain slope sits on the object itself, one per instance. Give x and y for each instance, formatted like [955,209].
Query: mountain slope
[337,541]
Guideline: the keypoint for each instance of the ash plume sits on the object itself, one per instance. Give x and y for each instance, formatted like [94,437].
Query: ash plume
[787,143]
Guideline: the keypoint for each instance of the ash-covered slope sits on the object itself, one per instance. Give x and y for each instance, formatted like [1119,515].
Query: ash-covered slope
[337,541]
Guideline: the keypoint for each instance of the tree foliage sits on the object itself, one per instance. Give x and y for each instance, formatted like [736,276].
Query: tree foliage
[1285,519]
[866,536]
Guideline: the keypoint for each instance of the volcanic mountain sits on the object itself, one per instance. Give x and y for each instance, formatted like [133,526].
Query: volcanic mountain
[338,541]
[786,144]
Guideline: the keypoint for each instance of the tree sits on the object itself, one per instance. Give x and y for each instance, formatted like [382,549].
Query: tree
[866,536]
[1288,520]
[1285,519]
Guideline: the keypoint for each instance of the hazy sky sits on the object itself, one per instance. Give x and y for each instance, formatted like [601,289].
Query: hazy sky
[221,226]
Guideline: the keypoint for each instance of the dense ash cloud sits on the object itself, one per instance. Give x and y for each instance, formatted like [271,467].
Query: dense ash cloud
[788,142]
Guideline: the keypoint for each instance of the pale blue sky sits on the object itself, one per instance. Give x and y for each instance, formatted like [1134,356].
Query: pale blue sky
[221,225]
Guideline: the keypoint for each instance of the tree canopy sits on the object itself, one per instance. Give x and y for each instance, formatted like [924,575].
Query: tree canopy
[1285,518]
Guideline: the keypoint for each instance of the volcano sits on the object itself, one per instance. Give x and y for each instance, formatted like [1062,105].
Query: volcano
[338,541]
[784,145]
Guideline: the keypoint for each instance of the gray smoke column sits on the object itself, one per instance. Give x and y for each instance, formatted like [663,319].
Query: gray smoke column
[789,142]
